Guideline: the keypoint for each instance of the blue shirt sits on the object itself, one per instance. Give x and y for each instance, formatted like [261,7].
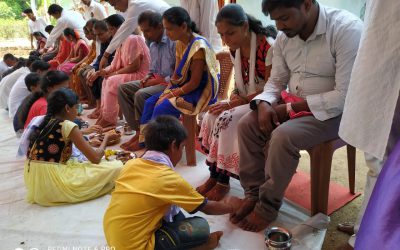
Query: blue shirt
[103,48]
[163,58]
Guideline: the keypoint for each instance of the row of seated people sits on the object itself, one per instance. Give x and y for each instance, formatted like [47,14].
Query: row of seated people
[183,78]
[197,72]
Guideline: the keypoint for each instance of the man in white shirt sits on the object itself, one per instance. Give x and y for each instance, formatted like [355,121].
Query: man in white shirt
[371,116]
[131,10]
[313,57]
[8,61]
[93,9]
[203,13]
[35,24]
[19,91]
[8,82]
[65,19]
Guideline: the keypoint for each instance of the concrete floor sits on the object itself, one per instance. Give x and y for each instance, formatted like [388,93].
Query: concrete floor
[335,239]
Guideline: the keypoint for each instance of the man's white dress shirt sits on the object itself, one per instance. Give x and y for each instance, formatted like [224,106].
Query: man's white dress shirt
[69,19]
[135,8]
[204,13]
[94,10]
[38,25]
[375,81]
[17,94]
[319,68]
[7,83]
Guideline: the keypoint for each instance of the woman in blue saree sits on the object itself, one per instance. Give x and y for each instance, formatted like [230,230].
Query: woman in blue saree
[194,84]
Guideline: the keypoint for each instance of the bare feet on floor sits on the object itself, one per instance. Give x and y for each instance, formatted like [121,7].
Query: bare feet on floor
[212,242]
[127,145]
[132,145]
[95,114]
[254,222]
[218,192]
[207,186]
[246,207]
[103,123]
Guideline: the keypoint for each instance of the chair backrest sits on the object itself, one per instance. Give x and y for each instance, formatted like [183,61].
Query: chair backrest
[226,67]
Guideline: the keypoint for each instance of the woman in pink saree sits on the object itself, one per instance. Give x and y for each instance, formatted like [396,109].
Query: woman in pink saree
[131,62]
[79,51]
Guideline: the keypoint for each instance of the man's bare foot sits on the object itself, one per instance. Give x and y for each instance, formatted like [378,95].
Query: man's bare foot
[245,208]
[131,141]
[218,192]
[103,123]
[207,186]
[95,114]
[212,242]
[132,146]
[254,222]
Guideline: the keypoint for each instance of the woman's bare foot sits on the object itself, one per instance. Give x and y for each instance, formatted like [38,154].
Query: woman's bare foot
[95,114]
[218,192]
[207,186]
[103,123]
[245,208]
[254,222]
[212,242]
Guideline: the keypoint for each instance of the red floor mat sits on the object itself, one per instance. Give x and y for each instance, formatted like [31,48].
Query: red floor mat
[299,191]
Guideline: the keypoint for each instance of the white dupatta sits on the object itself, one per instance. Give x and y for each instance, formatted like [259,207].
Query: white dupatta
[250,88]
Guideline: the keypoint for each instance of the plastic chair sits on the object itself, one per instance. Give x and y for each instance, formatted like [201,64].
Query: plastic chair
[321,161]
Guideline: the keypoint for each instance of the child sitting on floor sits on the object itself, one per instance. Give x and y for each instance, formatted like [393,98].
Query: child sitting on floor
[144,209]
[52,176]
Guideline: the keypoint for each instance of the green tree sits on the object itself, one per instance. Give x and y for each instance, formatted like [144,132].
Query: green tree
[6,11]
[17,6]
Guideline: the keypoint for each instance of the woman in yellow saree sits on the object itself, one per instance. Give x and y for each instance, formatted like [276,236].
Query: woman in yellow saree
[194,84]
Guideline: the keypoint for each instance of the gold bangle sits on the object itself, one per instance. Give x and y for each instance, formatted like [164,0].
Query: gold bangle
[172,93]
[183,92]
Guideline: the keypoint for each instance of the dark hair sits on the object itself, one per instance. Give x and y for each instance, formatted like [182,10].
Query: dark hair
[38,33]
[27,11]
[269,5]
[55,104]
[54,9]
[9,56]
[162,131]
[153,19]
[70,32]
[21,62]
[51,79]
[234,15]
[49,28]
[39,65]
[115,20]
[179,16]
[31,59]
[32,79]
[100,25]
[91,21]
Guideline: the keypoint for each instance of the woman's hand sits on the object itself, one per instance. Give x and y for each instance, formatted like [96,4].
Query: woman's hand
[93,129]
[219,107]
[92,76]
[163,97]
